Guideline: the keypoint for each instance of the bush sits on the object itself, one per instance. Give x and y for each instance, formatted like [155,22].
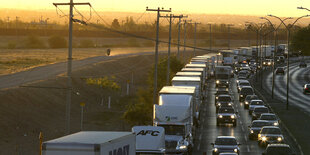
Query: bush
[133,43]
[87,43]
[57,42]
[34,42]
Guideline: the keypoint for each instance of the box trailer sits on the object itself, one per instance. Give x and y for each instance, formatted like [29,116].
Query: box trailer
[92,143]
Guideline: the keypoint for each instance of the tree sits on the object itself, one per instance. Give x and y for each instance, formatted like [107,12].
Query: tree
[57,42]
[34,42]
[139,112]
[115,24]
[300,41]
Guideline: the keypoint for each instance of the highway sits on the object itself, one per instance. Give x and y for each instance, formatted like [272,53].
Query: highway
[208,130]
[298,77]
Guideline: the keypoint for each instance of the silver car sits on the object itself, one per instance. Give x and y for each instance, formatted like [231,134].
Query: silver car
[272,118]
[254,104]
[270,135]
[225,144]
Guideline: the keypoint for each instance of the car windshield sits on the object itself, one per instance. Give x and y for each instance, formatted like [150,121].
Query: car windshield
[224,99]
[261,110]
[278,150]
[280,69]
[271,131]
[244,84]
[246,91]
[242,74]
[174,129]
[251,97]
[221,92]
[260,124]
[257,103]
[226,110]
[268,117]
[225,141]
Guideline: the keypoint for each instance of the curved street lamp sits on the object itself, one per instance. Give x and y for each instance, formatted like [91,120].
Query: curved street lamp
[288,28]
[275,48]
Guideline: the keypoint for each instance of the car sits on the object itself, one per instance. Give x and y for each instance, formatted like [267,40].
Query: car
[243,74]
[256,126]
[225,144]
[255,103]
[226,115]
[270,135]
[223,100]
[280,59]
[220,92]
[278,149]
[306,88]
[302,64]
[258,111]
[268,62]
[280,70]
[244,91]
[222,83]
[230,153]
[248,100]
[252,63]
[272,118]
[242,83]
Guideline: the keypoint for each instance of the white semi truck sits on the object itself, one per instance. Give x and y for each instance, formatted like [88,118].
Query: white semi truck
[189,81]
[178,127]
[149,140]
[201,70]
[92,143]
[204,73]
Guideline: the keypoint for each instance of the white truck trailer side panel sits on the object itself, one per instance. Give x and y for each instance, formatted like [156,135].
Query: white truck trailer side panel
[92,143]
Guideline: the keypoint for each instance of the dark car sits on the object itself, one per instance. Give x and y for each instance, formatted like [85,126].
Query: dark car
[302,64]
[256,126]
[225,144]
[270,135]
[244,91]
[248,100]
[278,149]
[280,70]
[306,88]
[258,111]
[223,100]
[220,92]
[226,115]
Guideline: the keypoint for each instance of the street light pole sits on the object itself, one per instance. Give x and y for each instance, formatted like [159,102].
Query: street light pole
[288,28]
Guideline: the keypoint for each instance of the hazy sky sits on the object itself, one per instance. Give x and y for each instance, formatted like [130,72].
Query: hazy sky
[243,7]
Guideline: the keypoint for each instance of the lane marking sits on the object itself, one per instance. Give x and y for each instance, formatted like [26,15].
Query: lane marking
[245,138]
[242,128]
[248,148]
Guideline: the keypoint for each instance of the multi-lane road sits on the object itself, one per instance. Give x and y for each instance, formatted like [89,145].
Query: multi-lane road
[298,77]
[208,130]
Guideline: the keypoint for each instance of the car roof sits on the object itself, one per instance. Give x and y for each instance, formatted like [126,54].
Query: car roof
[270,114]
[224,95]
[260,107]
[257,101]
[265,121]
[278,145]
[271,127]
[246,87]
[233,137]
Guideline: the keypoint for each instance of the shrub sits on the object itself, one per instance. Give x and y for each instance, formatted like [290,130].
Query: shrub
[87,43]
[11,45]
[34,42]
[57,42]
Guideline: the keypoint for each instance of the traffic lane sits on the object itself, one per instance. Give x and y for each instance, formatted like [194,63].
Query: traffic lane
[297,80]
[208,130]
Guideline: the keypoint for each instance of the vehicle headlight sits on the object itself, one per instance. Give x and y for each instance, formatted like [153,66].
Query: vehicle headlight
[232,116]
[219,104]
[226,81]
[246,102]
[241,95]
[217,97]
[275,123]
[229,104]
[217,81]
[252,131]
[279,139]
[220,116]
[236,150]
[183,147]
[264,138]
[259,135]
[215,149]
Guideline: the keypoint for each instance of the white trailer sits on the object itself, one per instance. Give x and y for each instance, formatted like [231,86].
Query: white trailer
[190,74]
[92,143]
[246,52]
[228,57]
[267,51]
[178,127]
[203,66]
[149,140]
[189,81]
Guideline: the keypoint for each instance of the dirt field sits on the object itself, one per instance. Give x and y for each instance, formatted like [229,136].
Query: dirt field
[24,112]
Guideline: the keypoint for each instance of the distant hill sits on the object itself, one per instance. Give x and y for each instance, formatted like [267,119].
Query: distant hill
[25,15]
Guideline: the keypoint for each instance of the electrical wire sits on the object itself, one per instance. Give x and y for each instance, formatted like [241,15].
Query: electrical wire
[99,15]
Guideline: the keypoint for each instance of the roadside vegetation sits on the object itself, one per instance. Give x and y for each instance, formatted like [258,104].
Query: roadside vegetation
[300,41]
[140,109]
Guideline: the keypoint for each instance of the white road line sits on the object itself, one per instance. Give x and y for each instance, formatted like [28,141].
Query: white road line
[242,128]
[248,148]
[245,138]
[198,146]
[241,123]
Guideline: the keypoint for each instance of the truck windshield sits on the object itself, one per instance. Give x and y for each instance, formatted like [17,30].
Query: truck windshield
[178,130]
[224,99]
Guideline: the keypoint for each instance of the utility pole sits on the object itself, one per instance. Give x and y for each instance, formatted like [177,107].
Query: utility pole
[158,10]
[179,31]
[169,45]
[185,21]
[195,38]
[229,25]
[8,18]
[210,38]
[69,65]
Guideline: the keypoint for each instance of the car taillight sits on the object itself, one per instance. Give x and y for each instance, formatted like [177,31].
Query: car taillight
[306,88]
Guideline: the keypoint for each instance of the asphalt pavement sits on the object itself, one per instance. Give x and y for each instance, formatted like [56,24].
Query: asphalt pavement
[208,130]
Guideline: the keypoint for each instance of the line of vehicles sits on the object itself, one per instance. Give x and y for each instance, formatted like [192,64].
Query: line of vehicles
[264,127]
[176,117]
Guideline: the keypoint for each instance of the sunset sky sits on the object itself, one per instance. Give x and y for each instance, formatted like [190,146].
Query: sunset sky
[242,7]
